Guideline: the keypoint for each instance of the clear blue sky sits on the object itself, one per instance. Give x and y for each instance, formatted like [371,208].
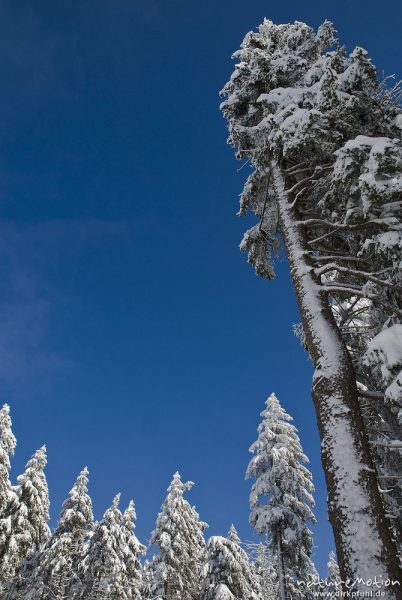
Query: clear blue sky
[134,338]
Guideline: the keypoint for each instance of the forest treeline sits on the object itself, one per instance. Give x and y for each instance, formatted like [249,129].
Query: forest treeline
[84,559]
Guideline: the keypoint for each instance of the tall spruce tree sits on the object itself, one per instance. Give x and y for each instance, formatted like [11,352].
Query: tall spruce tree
[111,565]
[281,497]
[227,571]
[174,570]
[233,536]
[132,552]
[311,122]
[266,571]
[33,493]
[56,575]
[7,447]
[333,578]
[27,518]
[9,556]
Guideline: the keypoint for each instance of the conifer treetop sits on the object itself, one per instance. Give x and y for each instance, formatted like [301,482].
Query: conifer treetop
[7,438]
[7,447]
[76,512]
[227,564]
[179,536]
[112,568]
[233,536]
[281,497]
[34,495]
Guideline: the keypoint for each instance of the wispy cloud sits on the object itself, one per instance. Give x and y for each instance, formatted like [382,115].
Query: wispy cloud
[24,306]
[28,298]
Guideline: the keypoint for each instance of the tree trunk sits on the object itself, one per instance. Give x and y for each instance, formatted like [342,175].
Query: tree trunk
[169,588]
[356,511]
[281,570]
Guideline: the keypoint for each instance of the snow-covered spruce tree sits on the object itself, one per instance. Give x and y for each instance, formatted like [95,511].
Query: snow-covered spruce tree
[9,560]
[281,496]
[33,493]
[333,578]
[292,107]
[111,565]
[381,399]
[368,171]
[267,572]
[227,571]
[147,586]
[7,447]
[57,565]
[233,536]
[133,550]
[27,517]
[308,589]
[174,570]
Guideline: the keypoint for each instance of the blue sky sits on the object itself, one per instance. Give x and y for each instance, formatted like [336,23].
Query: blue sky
[134,338]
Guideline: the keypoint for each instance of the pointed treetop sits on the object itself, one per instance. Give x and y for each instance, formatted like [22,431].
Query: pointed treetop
[177,484]
[116,500]
[233,535]
[111,565]
[274,407]
[38,459]
[333,568]
[275,432]
[80,484]
[281,499]
[113,513]
[7,438]
[129,515]
[35,464]
[33,494]
[76,512]
[7,447]
[179,535]
[128,521]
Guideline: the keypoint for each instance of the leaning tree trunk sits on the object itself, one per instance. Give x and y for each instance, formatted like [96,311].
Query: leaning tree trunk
[356,511]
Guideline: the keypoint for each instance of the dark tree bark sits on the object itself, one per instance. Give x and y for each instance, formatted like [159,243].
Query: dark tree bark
[281,570]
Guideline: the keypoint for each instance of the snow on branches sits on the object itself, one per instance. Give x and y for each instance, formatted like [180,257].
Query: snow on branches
[324,141]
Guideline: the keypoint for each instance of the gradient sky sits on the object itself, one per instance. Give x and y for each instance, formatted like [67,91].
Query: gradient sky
[134,338]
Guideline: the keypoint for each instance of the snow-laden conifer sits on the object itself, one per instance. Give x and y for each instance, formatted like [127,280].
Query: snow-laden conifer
[56,575]
[111,565]
[333,578]
[174,571]
[227,571]
[132,551]
[33,493]
[9,556]
[267,571]
[7,447]
[310,587]
[233,536]
[368,173]
[281,498]
[322,139]
[147,582]
[27,518]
